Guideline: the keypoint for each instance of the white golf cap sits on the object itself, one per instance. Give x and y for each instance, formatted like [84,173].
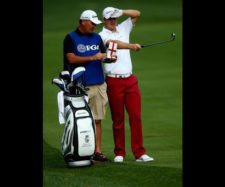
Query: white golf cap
[107,12]
[110,12]
[90,15]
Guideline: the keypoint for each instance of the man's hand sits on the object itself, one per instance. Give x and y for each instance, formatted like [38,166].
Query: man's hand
[135,47]
[117,13]
[110,60]
[103,58]
[98,56]
[113,13]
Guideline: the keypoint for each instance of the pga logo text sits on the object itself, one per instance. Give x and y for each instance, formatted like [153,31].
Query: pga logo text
[83,48]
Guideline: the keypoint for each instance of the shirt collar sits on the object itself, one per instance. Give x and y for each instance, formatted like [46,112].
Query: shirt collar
[109,31]
[80,33]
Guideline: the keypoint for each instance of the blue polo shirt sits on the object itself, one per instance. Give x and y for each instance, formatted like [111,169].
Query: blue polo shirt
[85,45]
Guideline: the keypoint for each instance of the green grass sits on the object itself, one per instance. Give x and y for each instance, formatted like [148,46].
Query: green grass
[159,71]
[128,173]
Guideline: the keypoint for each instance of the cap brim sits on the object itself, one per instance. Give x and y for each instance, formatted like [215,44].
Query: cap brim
[110,17]
[96,21]
[107,16]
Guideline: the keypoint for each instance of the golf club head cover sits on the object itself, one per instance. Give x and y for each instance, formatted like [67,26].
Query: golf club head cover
[77,75]
[65,75]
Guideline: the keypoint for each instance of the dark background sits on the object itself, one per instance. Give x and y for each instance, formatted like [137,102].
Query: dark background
[21,103]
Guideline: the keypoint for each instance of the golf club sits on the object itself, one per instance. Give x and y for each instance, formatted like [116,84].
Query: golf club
[77,85]
[77,73]
[65,75]
[173,35]
[60,83]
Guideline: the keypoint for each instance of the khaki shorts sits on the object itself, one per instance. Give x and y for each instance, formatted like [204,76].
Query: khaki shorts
[97,100]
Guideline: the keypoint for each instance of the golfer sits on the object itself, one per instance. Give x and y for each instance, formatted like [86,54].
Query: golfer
[83,47]
[122,85]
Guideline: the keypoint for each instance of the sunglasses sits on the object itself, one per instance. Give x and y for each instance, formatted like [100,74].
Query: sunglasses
[111,19]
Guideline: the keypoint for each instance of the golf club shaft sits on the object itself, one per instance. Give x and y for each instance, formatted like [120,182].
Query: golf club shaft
[156,43]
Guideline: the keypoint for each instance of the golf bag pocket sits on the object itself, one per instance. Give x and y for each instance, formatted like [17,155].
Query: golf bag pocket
[86,137]
[78,140]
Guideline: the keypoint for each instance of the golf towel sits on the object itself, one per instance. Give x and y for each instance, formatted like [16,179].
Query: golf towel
[60,99]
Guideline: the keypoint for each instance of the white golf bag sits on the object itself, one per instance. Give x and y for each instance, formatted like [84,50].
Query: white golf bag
[78,140]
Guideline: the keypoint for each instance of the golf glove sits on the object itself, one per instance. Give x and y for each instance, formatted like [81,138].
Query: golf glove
[117,13]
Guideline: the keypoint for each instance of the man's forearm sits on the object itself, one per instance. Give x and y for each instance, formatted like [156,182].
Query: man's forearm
[73,59]
[131,13]
[122,45]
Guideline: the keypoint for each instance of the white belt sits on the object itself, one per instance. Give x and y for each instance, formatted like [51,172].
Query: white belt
[119,75]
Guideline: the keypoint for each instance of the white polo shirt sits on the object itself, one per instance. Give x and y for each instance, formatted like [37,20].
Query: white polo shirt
[123,64]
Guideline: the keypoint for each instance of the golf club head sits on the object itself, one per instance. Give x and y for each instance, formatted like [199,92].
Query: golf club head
[173,36]
[65,75]
[77,74]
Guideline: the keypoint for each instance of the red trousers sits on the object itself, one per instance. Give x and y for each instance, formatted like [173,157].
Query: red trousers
[123,93]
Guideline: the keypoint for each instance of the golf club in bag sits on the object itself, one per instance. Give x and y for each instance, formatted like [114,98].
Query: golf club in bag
[78,140]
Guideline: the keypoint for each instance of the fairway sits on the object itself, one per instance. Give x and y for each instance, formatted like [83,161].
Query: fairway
[159,72]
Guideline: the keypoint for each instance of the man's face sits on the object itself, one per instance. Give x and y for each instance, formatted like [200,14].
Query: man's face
[88,26]
[110,23]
